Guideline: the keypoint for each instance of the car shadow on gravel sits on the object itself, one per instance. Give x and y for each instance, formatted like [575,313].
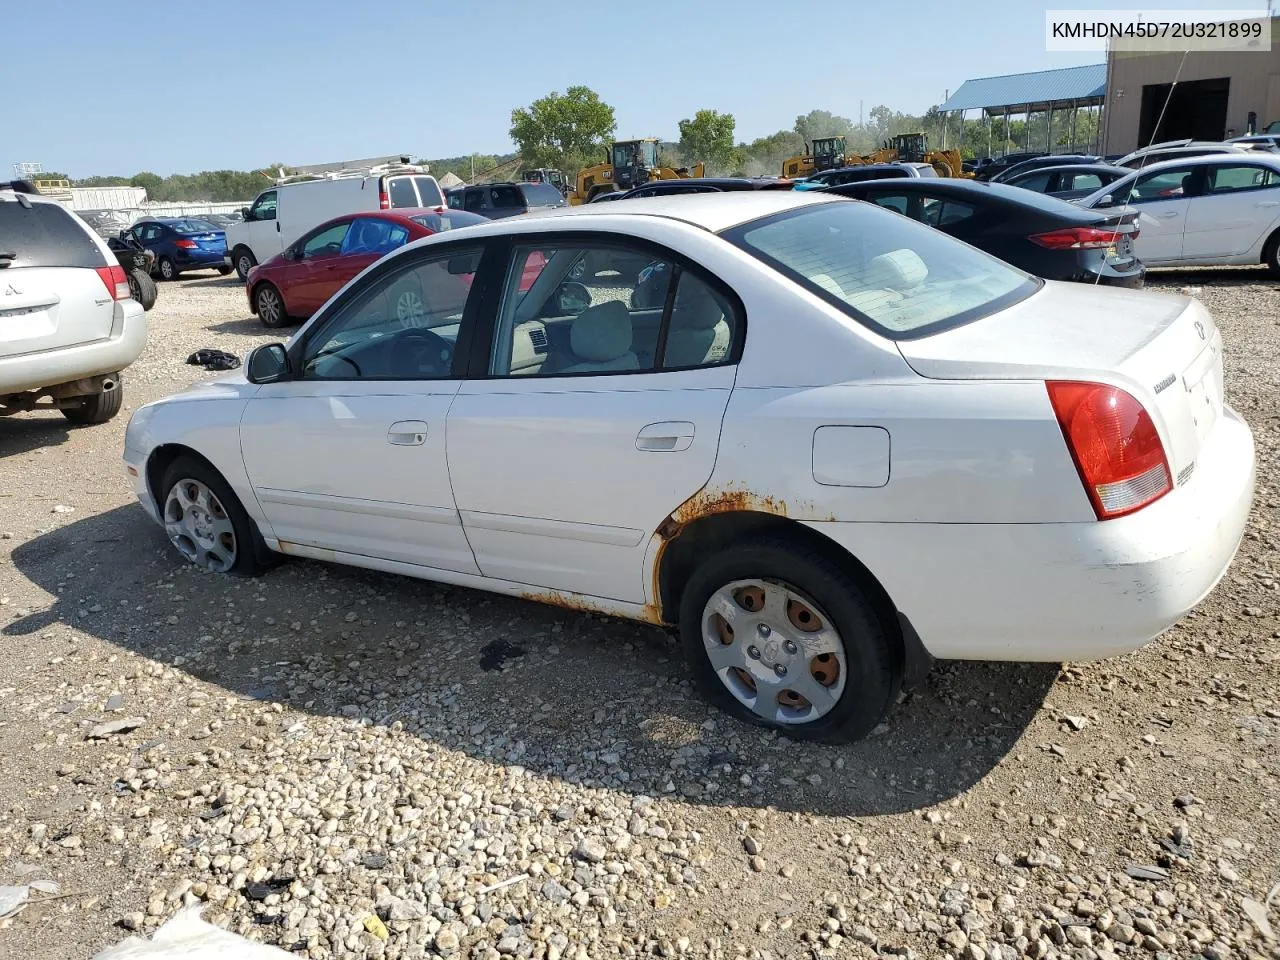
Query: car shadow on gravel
[571,696]
[214,280]
[1247,276]
[22,434]
[249,327]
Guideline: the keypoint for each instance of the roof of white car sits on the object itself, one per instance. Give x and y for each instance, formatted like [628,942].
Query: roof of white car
[1243,156]
[711,211]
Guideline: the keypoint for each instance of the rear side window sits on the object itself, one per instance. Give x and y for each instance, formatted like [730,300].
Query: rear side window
[455,199]
[541,195]
[1039,182]
[401,192]
[439,222]
[506,196]
[45,235]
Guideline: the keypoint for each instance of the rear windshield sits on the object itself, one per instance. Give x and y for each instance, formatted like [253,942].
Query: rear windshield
[439,222]
[401,193]
[429,191]
[542,195]
[506,196]
[45,235]
[192,226]
[898,277]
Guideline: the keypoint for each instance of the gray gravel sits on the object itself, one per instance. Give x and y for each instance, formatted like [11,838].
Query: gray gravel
[320,757]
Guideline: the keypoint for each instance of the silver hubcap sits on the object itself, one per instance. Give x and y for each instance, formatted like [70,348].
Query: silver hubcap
[409,309]
[775,650]
[166,269]
[199,527]
[269,306]
[245,265]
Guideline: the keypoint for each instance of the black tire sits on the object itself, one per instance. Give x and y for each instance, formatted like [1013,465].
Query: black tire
[1271,254]
[143,288]
[166,268]
[253,557]
[873,656]
[223,270]
[243,260]
[97,407]
[269,305]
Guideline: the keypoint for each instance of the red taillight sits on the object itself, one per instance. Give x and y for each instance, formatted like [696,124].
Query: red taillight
[1114,444]
[185,244]
[1076,238]
[384,201]
[116,281]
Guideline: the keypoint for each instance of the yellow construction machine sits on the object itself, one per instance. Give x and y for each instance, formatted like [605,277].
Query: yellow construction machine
[628,163]
[914,148]
[827,153]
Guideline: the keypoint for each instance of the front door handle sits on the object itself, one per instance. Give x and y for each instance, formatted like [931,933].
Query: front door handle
[408,433]
[1166,216]
[666,437]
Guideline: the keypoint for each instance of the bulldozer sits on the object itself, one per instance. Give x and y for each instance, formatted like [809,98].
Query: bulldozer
[914,148]
[627,164]
[827,153]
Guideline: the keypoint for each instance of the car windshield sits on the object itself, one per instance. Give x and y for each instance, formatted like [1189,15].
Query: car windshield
[452,220]
[898,277]
[192,226]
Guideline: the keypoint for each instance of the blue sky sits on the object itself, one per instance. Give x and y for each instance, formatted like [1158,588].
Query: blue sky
[243,84]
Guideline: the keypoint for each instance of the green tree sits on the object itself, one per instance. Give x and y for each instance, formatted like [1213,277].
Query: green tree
[563,130]
[822,123]
[708,138]
[150,182]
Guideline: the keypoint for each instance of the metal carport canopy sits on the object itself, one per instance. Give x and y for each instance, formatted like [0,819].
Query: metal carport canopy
[1084,86]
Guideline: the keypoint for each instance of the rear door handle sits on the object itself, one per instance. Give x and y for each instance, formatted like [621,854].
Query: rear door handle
[407,433]
[1269,203]
[670,436]
[1166,216]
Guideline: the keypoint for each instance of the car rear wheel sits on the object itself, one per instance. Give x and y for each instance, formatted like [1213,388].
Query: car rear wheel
[1271,254]
[243,260]
[780,636]
[270,306]
[97,407]
[142,288]
[167,270]
[206,522]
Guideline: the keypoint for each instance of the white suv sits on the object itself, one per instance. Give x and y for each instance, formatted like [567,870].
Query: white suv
[68,325]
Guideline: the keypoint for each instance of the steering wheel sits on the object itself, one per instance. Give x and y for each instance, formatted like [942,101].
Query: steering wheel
[428,352]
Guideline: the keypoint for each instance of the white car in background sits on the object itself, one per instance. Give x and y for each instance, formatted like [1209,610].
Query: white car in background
[68,323]
[1203,211]
[821,439]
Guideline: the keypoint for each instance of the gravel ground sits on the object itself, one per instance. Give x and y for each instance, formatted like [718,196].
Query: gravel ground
[347,764]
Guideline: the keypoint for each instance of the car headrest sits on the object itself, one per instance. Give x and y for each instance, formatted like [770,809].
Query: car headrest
[897,270]
[602,332]
[695,308]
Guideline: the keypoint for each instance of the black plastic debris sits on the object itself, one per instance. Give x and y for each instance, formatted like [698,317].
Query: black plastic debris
[212,359]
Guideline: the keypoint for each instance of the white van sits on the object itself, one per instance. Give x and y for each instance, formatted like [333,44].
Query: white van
[292,207]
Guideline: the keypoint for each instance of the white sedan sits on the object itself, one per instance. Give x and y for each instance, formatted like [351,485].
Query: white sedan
[1223,208]
[824,441]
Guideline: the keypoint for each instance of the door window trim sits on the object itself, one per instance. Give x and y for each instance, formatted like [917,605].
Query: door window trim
[478,362]
[1210,191]
[392,263]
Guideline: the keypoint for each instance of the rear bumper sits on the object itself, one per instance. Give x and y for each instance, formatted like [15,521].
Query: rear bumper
[199,260]
[36,371]
[1066,591]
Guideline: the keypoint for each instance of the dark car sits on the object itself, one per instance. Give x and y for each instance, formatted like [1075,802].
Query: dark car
[181,244]
[498,200]
[1048,160]
[667,188]
[1042,235]
[996,165]
[1069,182]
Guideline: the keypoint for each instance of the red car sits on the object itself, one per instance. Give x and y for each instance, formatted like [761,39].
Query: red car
[295,283]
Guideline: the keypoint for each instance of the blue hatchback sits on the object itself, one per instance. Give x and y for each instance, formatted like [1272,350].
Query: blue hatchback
[181,244]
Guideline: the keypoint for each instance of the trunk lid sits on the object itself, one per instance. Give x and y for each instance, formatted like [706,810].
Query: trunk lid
[1164,350]
[47,308]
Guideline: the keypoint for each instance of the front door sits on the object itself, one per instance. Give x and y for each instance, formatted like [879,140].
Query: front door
[350,454]
[263,228]
[317,266]
[600,415]
[1239,205]
[1162,199]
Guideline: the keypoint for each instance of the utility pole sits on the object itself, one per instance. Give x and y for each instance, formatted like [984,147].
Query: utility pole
[473,168]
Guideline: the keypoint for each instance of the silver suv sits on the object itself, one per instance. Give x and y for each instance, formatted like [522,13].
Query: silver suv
[68,325]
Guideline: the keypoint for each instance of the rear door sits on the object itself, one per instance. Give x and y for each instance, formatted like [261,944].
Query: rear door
[1236,211]
[401,192]
[575,406]
[1162,199]
[51,292]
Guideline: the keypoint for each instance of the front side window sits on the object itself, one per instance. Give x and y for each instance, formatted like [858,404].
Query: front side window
[1165,185]
[584,309]
[898,277]
[264,208]
[403,325]
[1081,181]
[401,192]
[1229,178]
[326,243]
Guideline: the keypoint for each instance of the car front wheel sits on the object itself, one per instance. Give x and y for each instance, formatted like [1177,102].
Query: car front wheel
[270,306]
[206,522]
[778,635]
[244,262]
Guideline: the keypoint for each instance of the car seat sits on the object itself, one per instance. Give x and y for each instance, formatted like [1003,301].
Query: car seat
[601,338]
[697,323]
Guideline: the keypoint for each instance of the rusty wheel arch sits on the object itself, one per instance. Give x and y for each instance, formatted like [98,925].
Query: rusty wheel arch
[685,544]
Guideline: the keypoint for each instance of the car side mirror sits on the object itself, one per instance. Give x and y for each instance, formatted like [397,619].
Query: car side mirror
[268,363]
[571,299]
[1106,201]
[246,213]
[465,264]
